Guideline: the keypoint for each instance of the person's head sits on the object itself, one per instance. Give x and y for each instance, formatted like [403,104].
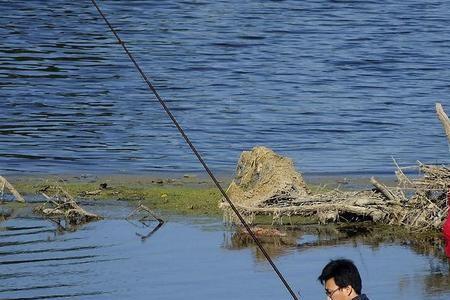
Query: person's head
[341,280]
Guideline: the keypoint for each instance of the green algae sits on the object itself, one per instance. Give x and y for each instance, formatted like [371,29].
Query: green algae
[187,196]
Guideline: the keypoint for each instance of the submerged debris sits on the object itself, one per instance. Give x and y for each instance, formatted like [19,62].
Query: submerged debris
[145,214]
[62,206]
[5,213]
[271,238]
[4,183]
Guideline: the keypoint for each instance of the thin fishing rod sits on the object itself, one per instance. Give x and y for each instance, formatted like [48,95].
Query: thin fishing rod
[197,154]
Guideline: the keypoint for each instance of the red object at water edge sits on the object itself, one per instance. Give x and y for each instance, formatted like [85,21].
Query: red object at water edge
[446,228]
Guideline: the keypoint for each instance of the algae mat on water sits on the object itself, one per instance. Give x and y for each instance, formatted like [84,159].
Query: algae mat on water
[183,196]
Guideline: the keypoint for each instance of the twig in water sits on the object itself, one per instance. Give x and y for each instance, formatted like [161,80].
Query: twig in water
[10,187]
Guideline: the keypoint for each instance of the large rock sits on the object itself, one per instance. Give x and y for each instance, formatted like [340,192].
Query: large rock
[264,178]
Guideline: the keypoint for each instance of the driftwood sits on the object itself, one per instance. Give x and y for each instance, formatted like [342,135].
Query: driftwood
[147,214]
[62,206]
[327,207]
[444,120]
[4,183]
[383,189]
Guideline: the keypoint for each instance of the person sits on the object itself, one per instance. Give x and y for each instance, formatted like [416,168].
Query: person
[342,281]
[446,228]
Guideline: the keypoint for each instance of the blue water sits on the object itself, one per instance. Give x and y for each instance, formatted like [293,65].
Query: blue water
[339,86]
[194,259]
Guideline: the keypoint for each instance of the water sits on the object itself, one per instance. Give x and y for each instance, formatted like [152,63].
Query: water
[194,259]
[339,86]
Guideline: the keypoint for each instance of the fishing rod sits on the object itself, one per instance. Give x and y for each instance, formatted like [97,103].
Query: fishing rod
[197,154]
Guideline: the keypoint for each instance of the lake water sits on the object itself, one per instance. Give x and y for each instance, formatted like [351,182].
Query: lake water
[339,86]
[196,258]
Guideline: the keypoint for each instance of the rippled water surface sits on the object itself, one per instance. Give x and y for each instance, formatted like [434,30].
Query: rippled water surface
[339,86]
[194,259]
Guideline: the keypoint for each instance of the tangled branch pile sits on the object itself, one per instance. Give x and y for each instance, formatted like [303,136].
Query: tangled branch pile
[419,203]
[61,205]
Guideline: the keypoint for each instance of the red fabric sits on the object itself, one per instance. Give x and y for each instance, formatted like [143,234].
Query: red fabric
[446,228]
[446,232]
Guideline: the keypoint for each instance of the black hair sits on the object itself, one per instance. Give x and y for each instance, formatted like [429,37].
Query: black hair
[344,273]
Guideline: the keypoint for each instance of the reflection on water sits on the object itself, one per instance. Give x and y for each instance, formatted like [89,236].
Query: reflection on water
[307,238]
[274,245]
[191,258]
